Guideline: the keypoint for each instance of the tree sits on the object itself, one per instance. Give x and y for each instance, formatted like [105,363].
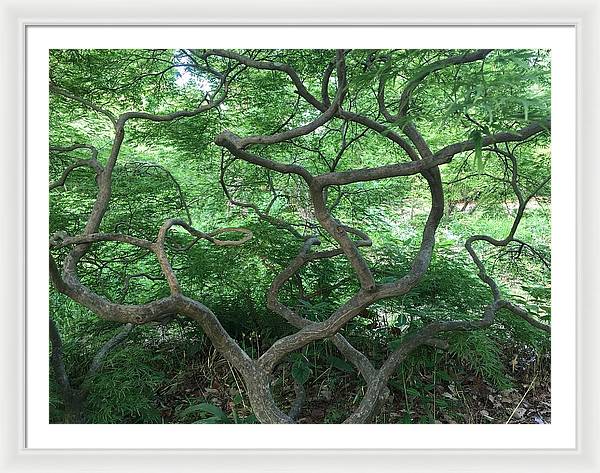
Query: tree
[302,135]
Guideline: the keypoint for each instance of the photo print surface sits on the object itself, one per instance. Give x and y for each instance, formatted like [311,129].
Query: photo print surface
[310,236]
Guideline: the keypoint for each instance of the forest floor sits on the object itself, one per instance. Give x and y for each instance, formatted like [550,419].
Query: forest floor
[466,399]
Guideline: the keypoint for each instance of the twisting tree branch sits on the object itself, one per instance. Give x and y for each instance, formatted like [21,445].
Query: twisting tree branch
[348,241]
[425,162]
[276,222]
[91,162]
[86,103]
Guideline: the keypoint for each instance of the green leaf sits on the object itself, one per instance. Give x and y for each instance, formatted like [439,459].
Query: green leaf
[490,112]
[340,364]
[532,308]
[301,371]
[237,399]
[477,139]
[205,407]
[209,420]
[395,344]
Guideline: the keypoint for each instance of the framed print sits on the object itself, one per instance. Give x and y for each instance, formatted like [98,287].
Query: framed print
[300,238]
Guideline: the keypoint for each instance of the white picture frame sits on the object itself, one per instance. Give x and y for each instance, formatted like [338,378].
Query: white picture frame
[583,15]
